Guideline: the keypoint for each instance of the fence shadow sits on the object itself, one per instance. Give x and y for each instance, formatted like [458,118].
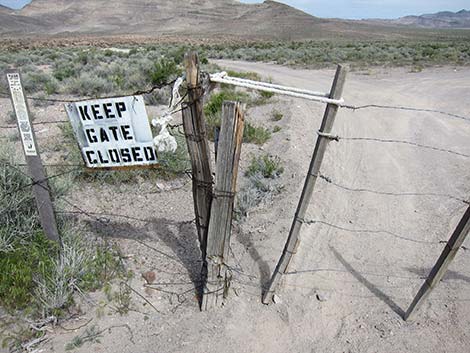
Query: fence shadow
[450,275]
[263,265]
[180,237]
[116,229]
[370,286]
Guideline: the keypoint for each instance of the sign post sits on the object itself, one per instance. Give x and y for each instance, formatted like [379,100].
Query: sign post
[33,159]
[113,132]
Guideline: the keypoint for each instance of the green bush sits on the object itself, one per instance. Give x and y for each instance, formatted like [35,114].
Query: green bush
[277,115]
[255,134]
[246,75]
[214,104]
[89,84]
[262,184]
[164,71]
[21,266]
[36,273]
[266,165]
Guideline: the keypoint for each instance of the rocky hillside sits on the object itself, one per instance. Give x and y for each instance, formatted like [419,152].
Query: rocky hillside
[445,19]
[157,17]
[185,18]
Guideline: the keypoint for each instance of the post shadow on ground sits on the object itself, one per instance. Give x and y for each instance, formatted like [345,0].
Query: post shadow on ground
[369,285]
[180,237]
[449,276]
[264,270]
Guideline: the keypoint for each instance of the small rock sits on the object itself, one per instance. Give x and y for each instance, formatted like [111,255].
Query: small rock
[149,277]
[321,297]
[277,299]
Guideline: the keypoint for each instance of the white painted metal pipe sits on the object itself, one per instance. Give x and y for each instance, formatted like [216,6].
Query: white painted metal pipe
[228,80]
[272,85]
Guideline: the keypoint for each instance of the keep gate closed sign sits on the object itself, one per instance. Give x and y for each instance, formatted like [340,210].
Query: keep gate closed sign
[113,132]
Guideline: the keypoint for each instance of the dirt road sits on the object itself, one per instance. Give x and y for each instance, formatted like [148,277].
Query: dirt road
[357,268]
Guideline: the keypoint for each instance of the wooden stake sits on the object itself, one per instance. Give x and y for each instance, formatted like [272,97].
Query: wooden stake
[220,225]
[317,159]
[32,156]
[196,137]
[440,269]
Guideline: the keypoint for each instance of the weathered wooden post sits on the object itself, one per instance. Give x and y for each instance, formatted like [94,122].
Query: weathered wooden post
[220,225]
[317,159]
[440,269]
[196,137]
[32,156]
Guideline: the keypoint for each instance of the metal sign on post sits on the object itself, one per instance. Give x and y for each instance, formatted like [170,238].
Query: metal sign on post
[33,159]
[113,132]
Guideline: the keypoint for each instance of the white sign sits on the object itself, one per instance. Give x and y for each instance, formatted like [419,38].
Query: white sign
[21,112]
[113,132]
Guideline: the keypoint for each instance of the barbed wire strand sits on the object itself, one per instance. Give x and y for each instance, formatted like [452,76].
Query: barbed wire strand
[412,109]
[56,100]
[389,193]
[370,231]
[35,182]
[374,139]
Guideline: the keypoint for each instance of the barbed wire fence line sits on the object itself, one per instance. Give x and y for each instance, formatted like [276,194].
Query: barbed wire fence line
[104,218]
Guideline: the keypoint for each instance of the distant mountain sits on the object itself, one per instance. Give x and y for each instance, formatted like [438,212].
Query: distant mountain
[201,19]
[4,9]
[158,17]
[445,19]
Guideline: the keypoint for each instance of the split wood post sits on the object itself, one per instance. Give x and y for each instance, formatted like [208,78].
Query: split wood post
[440,268]
[220,225]
[32,156]
[314,169]
[196,137]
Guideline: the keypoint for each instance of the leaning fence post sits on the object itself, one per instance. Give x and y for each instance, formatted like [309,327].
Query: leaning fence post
[32,156]
[220,225]
[320,148]
[196,137]
[440,268]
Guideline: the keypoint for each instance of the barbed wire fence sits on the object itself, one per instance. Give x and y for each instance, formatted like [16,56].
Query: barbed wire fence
[240,276]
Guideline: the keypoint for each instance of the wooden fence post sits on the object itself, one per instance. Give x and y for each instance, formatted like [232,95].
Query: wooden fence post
[320,148]
[32,156]
[440,268]
[196,137]
[220,225]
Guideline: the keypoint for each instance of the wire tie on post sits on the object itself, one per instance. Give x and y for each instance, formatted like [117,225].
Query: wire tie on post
[224,194]
[203,184]
[328,136]
[195,138]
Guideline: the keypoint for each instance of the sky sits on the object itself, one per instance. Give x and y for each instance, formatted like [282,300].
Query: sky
[354,9]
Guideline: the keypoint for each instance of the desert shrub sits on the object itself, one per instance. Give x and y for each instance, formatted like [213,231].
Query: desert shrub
[164,71]
[276,115]
[268,166]
[36,273]
[18,218]
[19,268]
[214,104]
[255,134]
[63,70]
[35,81]
[88,84]
[246,75]
[262,184]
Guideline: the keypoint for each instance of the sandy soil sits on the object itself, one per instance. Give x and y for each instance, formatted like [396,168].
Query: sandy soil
[349,283]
